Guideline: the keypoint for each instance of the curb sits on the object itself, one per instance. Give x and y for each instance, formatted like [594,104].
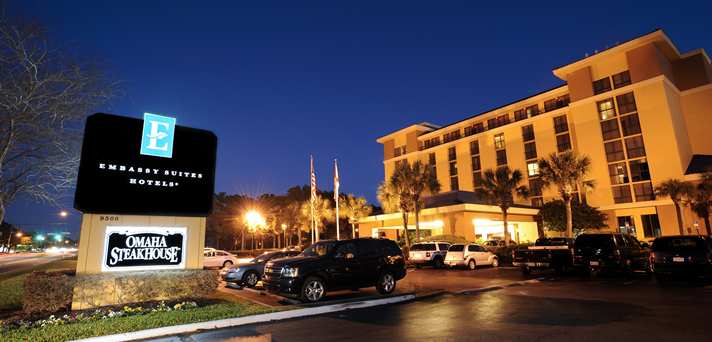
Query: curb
[261,318]
[499,287]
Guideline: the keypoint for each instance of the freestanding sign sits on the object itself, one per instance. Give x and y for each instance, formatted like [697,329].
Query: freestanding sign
[145,188]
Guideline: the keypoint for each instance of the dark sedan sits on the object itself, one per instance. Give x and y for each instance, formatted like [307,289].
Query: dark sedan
[689,256]
[249,273]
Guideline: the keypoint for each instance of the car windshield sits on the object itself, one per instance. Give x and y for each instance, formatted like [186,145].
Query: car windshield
[319,249]
[678,244]
[550,242]
[423,247]
[264,257]
[595,241]
[456,248]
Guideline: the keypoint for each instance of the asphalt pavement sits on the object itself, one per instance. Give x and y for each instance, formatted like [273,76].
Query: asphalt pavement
[552,309]
[12,263]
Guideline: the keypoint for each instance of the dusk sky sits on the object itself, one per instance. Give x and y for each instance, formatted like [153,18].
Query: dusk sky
[277,81]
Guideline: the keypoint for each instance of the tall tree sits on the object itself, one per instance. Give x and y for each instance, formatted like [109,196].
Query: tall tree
[415,180]
[44,98]
[394,199]
[499,188]
[353,208]
[553,213]
[702,200]
[323,212]
[566,171]
[677,191]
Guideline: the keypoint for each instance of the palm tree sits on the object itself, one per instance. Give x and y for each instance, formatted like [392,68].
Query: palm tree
[322,212]
[499,187]
[415,180]
[393,199]
[566,171]
[677,190]
[353,208]
[702,201]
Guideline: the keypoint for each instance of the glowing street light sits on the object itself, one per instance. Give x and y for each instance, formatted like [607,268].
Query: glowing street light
[39,237]
[63,213]
[19,234]
[254,220]
[58,237]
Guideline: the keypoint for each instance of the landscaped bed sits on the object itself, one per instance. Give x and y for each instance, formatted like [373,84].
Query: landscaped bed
[17,324]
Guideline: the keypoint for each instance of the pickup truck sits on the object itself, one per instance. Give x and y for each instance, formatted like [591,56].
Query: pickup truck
[547,253]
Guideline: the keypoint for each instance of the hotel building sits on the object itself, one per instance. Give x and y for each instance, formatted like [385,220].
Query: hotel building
[641,111]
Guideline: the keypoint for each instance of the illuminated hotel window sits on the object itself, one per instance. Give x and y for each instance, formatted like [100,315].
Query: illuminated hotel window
[618,172]
[621,79]
[606,109]
[532,110]
[601,86]
[644,191]
[532,169]
[621,194]
[528,132]
[635,147]
[614,151]
[499,141]
[626,103]
[563,142]
[630,124]
[501,157]
[560,124]
[530,150]
[610,130]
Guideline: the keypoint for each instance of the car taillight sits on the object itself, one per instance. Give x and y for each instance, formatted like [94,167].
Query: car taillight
[427,254]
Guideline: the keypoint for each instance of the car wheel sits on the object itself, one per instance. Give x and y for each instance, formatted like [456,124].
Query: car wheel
[472,265]
[526,270]
[250,279]
[227,264]
[313,290]
[417,266]
[386,283]
[495,262]
[438,263]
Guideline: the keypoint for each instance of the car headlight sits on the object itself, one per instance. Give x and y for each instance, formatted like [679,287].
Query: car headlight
[290,272]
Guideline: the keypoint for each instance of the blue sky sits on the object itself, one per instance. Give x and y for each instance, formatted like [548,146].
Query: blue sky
[277,81]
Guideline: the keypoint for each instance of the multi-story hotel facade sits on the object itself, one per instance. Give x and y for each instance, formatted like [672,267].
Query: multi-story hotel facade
[641,111]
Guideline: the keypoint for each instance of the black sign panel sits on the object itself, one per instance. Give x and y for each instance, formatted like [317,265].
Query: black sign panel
[114,177]
[143,250]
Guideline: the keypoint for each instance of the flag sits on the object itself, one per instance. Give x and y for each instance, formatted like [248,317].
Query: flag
[313,180]
[336,197]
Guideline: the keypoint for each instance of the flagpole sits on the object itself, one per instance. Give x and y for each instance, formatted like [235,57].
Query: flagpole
[336,198]
[314,232]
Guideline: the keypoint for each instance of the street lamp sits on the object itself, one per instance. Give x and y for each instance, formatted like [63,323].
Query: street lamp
[253,219]
[63,213]
[284,232]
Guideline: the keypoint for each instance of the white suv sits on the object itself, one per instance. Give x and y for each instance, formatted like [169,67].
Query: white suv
[428,253]
[470,255]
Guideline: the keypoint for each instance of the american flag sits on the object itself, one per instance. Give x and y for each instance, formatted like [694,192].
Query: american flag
[313,180]
[336,183]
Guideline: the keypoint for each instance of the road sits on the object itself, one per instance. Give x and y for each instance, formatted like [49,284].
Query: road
[12,263]
[554,309]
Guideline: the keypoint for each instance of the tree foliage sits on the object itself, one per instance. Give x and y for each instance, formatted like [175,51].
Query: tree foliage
[413,181]
[499,188]
[553,214]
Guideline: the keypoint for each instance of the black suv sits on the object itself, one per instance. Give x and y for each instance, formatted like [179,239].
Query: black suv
[689,255]
[337,265]
[610,251]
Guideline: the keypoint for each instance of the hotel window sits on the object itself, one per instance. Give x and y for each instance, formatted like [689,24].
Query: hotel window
[499,141]
[537,202]
[644,192]
[563,142]
[535,187]
[630,124]
[606,109]
[528,133]
[474,129]
[477,180]
[476,165]
[560,124]
[532,110]
[639,170]
[520,114]
[626,225]
[533,169]
[621,79]
[626,103]
[432,164]
[474,147]
[432,142]
[614,151]
[651,225]
[452,158]
[530,150]
[601,86]
[498,121]
[635,147]
[621,194]
[610,130]
[501,157]
[399,151]
[618,173]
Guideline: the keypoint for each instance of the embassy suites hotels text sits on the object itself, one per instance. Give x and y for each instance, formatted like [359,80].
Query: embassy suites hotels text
[143,175]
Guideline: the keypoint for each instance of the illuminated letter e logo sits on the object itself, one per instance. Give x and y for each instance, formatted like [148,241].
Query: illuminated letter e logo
[157,137]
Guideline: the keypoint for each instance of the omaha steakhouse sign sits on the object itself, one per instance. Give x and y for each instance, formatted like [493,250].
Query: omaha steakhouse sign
[141,248]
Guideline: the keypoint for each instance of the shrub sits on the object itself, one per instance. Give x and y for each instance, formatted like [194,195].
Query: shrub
[47,292]
[448,238]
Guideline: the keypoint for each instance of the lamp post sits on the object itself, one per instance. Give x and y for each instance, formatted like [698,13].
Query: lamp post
[253,219]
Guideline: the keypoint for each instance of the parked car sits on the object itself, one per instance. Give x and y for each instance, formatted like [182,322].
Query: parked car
[249,273]
[218,258]
[689,256]
[555,253]
[336,265]
[494,245]
[428,253]
[469,255]
[610,251]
